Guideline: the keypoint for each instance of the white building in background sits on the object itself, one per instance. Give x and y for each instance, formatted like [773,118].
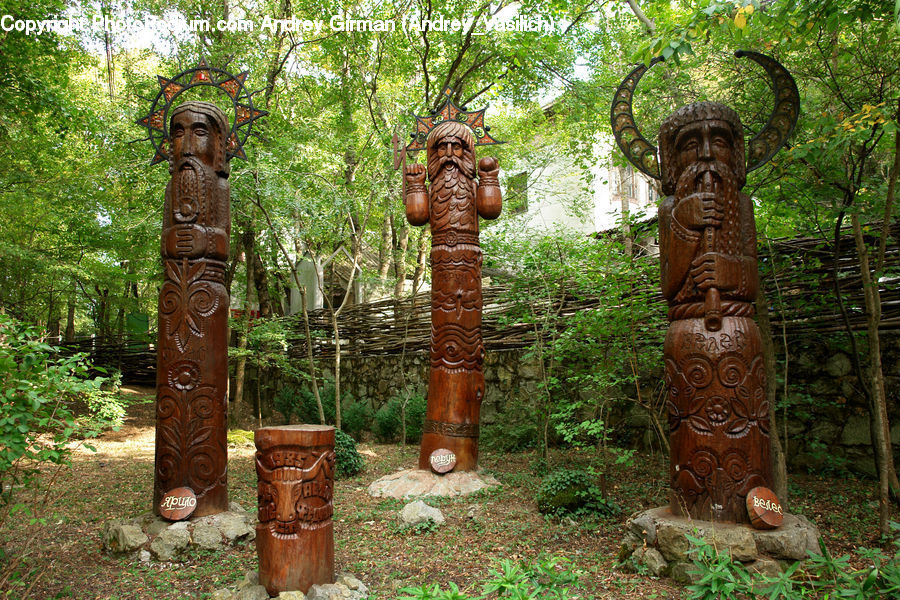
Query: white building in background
[555,192]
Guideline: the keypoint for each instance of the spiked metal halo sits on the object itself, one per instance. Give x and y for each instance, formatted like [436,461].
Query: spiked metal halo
[763,146]
[157,120]
[447,111]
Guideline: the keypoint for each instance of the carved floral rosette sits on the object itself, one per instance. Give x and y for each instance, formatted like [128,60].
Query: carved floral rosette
[718,417]
[295,534]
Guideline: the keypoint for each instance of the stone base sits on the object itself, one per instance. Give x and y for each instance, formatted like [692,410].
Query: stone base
[657,539]
[413,483]
[347,587]
[153,537]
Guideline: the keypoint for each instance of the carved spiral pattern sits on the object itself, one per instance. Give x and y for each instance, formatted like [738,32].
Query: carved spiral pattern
[698,371]
[732,370]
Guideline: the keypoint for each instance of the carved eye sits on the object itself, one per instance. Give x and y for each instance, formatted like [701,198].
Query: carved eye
[177,133]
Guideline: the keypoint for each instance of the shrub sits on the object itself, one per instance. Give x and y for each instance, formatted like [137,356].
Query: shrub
[348,461]
[39,390]
[820,576]
[293,400]
[572,492]
[550,578]
[388,423]
[356,416]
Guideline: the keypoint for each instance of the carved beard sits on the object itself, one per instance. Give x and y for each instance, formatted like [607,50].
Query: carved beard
[464,164]
[718,180]
[707,177]
[191,177]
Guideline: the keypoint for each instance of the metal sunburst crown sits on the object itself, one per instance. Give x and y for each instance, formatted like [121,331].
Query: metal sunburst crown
[448,110]
[157,120]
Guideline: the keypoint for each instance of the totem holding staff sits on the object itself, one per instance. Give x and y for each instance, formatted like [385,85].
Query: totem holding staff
[192,353]
[715,373]
[451,205]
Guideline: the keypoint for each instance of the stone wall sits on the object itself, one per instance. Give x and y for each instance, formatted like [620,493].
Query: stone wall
[507,376]
[828,426]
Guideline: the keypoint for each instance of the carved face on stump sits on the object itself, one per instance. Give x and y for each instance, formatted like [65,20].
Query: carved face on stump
[197,131]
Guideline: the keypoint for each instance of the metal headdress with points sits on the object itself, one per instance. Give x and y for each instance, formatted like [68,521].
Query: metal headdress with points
[764,145]
[449,111]
[157,120]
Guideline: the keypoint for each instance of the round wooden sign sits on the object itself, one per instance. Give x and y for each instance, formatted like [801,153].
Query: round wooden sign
[442,460]
[178,504]
[764,508]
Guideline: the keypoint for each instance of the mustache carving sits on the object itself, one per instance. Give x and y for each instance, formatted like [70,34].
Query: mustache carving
[465,163]
[714,178]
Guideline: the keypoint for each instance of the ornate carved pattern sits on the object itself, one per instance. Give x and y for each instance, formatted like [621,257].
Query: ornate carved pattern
[713,483]
[293,497]
[464,430]
[188,416]
[186,300]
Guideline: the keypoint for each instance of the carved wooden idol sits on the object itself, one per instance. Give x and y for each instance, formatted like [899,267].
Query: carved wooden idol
[192,353]
[715,375]
[295,534]
[457,194]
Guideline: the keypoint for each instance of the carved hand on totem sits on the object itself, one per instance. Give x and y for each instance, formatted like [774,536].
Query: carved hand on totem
[415,177]
[488,166]
[700,210]
[715,270]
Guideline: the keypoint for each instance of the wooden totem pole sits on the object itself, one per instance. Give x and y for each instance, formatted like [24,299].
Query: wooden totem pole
[456,196]
[295,534]
[192,353]
[715,375]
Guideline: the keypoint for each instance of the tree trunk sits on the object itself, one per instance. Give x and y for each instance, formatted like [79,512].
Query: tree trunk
[70,320]
[421,259]
[400,246]
[879,416]
[779,462]
[384,250]
[261,281]
[241,367]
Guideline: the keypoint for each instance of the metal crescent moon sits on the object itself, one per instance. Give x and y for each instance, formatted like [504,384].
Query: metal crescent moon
[783,119]
[639,152]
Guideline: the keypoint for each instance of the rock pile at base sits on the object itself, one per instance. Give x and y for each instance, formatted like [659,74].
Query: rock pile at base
[657,540]
[152,537]
[413,483]
[347,587]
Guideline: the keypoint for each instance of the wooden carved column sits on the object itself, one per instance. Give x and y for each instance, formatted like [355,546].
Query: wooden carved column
[451,204]
[197,141]
[295,534]
[714,369]
[192,355]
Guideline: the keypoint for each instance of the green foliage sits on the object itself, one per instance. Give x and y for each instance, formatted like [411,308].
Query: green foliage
[39,389]
[572,492]
[820,576]
[388,420]
[349,462]
[300,402]
[240,437]
[356,416]
[549,578]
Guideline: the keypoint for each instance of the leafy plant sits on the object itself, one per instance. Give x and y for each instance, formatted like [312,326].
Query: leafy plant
[356,416]
[820,576]
[388,419]
[572,492]
[349,462]
[549,578]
